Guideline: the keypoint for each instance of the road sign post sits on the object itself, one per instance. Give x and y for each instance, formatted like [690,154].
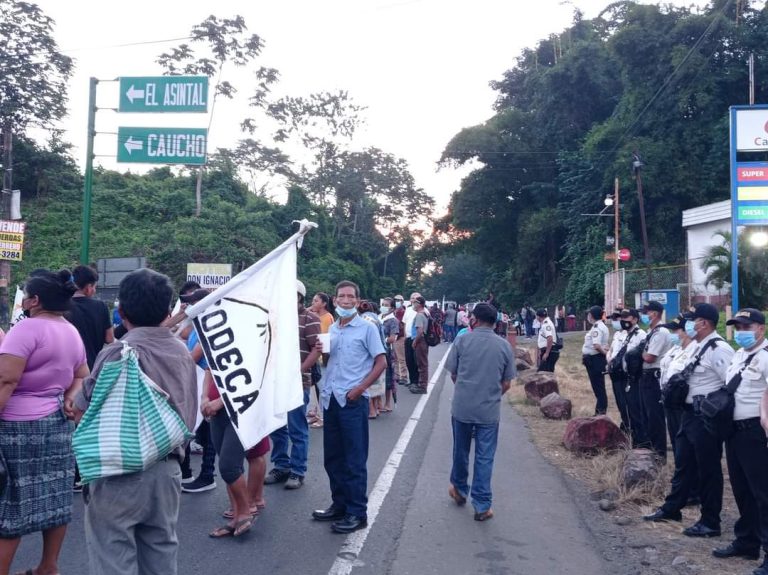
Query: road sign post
[155,94]
[162,145]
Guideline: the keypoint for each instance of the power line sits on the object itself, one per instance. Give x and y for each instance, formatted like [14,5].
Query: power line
[130,44]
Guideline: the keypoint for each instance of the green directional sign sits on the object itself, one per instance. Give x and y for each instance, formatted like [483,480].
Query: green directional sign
[164,94]
[162,145]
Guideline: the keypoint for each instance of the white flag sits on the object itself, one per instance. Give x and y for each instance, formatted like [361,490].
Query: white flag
[17,314]
[249,331]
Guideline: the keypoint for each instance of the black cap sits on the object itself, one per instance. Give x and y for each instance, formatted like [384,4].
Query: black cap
[421,300]
[653,306]
[596,312]
[195,296]
[706,311]
[679,321]
[631,312]
[747,316]
[541,312]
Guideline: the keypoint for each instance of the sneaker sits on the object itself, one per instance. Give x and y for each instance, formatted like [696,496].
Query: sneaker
[276,476]
[187,478]
[417,389]
[195,447]
[198,485]
[294,481]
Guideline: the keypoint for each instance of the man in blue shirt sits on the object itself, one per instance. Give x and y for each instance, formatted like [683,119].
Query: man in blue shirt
[482,366]
[355,362]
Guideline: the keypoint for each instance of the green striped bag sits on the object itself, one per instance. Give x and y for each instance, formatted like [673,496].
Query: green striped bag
[129,424]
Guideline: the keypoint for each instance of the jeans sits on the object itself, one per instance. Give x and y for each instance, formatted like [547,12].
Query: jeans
[486,439]
[208,464]
[297,431]
[345,446]
[410,362]
[595,365]
[449,332]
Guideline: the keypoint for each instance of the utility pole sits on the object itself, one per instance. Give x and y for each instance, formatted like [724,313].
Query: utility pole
[85,241]
[5,208]
[636,165]
[752,79]
[616,246]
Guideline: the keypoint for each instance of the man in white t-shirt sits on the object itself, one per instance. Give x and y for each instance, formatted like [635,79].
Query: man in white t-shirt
[547,340]
[410,356]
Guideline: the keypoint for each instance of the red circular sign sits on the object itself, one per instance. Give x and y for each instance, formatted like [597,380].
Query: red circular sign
[624,254]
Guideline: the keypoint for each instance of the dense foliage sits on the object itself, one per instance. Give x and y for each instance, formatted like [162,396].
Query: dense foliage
[653,79]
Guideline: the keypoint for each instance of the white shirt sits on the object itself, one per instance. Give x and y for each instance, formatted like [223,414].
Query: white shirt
[710,374]
[753,381]
[408,318]
[547,329]
[597,335]
[675,360]
[657,343]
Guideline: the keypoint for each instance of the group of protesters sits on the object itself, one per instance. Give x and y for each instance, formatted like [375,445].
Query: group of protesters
[682,380]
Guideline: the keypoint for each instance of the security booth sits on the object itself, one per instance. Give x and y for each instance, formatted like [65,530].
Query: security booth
[669,298]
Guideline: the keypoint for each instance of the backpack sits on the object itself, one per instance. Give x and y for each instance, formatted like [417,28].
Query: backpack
[434,332]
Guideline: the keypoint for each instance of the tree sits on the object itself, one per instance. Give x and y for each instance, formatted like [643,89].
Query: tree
[33,73]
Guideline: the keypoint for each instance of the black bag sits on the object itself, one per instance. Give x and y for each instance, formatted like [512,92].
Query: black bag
[3,473]
[433,334]
[717,407]
[675,391]
[616,366]
[634,361]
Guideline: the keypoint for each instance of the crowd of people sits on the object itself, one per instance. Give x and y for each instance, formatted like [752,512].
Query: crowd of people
[682,381]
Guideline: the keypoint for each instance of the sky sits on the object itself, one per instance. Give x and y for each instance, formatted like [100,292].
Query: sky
[421,67]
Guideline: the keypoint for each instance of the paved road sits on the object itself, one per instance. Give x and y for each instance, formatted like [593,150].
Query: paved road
[417,530]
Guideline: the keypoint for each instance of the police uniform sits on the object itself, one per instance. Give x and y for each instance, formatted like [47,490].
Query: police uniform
[625,388]
[619,379]
[699,452]
[746,450]
[656,343]
[594,360]
[547,329]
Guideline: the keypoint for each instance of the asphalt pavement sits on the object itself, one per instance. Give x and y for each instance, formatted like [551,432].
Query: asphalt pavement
[414,528]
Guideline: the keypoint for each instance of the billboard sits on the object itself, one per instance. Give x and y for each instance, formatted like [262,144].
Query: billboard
[209,276]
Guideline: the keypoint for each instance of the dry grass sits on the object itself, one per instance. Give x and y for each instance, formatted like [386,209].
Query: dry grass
[603,471]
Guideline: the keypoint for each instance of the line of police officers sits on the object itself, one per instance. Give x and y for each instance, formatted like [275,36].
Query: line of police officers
[640,363]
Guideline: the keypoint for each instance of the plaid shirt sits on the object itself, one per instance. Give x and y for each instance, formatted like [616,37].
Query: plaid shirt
[309,329]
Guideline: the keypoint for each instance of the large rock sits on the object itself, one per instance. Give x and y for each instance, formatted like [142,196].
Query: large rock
[522,365]
[640,466]
[553,406]
[524,355]
[539,385]
[592,434]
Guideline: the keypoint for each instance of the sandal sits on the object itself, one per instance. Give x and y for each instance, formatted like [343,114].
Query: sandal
[242,527]
[229,514]
[317,424]
[224,531]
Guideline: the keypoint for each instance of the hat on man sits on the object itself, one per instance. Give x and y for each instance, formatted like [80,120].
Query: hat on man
[195,296]
[747,316]
[300,288]
[399,298]
[421,300]
[541,312]
[706,311]
[653,306]
[596,312]
[679,321]
[631,312]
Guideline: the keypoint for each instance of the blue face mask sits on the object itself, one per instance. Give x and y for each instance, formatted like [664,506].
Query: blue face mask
[385,310]
[398,304]
[745,339]
[616,324]
[674,339]
[645,318]
[345,313]
[690,330]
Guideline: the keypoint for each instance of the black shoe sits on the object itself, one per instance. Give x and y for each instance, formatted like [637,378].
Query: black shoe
[349,524]
[198,485]
[277,476]
[693,502]
[733,551]
[763,569]
[661,515]
[701,530]
[330,514]
[417,389]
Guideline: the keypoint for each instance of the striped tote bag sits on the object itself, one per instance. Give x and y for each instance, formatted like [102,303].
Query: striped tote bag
[129,424]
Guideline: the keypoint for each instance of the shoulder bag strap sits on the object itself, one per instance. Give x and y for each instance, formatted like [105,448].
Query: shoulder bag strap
[735,381]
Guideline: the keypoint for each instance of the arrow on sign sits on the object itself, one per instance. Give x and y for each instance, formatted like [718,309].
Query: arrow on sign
[131,144]
[133,93]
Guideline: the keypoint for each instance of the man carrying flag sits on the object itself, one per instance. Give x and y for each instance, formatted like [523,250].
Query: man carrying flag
[357,359]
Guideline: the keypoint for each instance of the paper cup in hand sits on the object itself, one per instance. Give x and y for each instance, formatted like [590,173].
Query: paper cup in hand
[325,339]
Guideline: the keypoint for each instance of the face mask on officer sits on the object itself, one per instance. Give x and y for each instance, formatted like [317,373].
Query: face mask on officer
[626,324]
[690,328]
[674,339]
[745,338]
[645,318]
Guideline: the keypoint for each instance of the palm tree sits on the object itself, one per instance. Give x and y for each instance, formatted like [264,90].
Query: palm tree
[717,261]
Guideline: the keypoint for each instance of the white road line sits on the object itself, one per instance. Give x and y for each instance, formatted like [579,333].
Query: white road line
[350,550]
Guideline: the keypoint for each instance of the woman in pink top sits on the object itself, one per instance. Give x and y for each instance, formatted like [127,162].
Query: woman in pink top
[42,366]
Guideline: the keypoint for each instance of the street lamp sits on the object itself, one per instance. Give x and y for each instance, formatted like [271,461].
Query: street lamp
[758,239]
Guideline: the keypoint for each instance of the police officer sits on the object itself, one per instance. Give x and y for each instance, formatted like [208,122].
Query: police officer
[593,357]
[548,354]
[694,442]
[652,411]
[616,373]
[632,365]
[746,450]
